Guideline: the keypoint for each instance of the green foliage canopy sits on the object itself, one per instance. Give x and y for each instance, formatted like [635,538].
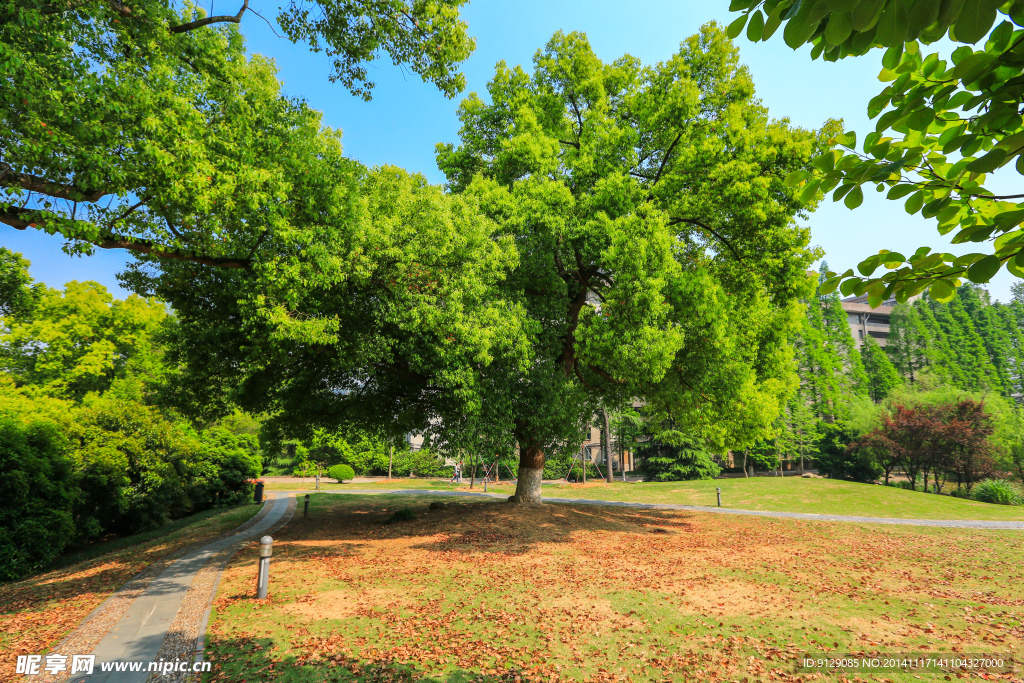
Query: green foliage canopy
[146,127]
[658,257]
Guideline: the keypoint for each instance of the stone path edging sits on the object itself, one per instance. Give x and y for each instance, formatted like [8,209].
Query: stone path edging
[99,621]
[950,523]
[201,639]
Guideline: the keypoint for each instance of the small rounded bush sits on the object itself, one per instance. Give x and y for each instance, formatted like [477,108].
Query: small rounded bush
[341,473]
[998,491]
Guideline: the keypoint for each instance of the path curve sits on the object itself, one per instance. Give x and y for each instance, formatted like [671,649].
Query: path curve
[170,605]
[952,523]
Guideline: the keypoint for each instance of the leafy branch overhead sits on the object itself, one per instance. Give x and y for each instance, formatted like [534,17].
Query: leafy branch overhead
[140,127]
[943,129]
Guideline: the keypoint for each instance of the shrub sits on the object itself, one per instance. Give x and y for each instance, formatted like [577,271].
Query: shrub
[997,491]
[422,463]
[837,460]
[38,493]
[663,461]
[341,472]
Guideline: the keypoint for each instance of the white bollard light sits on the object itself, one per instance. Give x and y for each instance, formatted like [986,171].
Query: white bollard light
[263,578]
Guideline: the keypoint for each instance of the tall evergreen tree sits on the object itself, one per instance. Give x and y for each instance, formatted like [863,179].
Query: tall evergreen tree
[986,322]
[882,375]
[908,342]
[1011,317]
[967,358]
[828,365]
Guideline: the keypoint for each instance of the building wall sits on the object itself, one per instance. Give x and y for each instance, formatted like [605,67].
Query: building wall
[866,321]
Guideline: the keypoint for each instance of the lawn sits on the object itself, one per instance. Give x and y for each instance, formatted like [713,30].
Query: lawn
[38,612]
[787,494]
[484,590]
[794,494]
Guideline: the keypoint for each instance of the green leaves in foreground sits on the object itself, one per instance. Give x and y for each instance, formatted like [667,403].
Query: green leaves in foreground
[942,128]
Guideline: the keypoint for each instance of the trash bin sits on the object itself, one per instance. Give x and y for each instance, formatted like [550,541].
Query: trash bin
[257,496]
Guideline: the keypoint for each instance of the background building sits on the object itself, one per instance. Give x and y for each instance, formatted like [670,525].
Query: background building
[866,321]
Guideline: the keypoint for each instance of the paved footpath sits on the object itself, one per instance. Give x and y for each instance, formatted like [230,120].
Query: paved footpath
[164,616]
[953,523]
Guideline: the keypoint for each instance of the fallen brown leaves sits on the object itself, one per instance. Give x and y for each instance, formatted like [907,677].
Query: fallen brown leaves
[584,593]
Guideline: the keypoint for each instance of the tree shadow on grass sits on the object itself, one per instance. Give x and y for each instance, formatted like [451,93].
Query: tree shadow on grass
[253,659]
[472,526]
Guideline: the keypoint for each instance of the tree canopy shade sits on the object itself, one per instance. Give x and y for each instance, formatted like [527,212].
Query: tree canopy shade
[138,126]
[380,317]
[657,252]
[943,128]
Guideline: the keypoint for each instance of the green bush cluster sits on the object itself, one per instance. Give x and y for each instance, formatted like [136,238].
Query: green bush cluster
[70,474]
[997,491]
[562,465]
[341,473]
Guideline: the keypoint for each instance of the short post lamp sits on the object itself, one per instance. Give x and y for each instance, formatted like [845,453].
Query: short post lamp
[719,490]
[263,578]
[305,507]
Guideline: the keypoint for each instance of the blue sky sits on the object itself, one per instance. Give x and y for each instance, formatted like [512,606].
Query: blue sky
[407,117]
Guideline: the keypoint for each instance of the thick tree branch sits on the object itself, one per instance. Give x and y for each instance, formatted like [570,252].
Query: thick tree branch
[206,21]
[568,356]
[11,178]
[579,375]
[605,375]
[700,224]
[21,219]
[664,159]
[148,247]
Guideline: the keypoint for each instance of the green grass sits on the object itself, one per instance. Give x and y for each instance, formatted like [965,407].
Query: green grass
[794,494]
[788,494]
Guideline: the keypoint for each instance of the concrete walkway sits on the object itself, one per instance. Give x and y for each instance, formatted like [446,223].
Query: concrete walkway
[139,634]
[952,523]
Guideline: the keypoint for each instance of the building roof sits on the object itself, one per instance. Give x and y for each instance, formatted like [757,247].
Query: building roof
[862,307]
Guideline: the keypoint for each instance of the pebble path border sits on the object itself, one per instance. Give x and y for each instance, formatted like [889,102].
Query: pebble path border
[99,622]
[185,638]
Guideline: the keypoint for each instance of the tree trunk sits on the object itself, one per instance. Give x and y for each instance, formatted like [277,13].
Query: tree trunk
[531,471]
[607,446]
[745,475]
[391,460]
[472,477]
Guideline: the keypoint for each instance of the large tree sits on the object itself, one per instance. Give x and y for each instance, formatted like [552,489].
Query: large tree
[658,255]
[143,125]
[943,128]
[380,319]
